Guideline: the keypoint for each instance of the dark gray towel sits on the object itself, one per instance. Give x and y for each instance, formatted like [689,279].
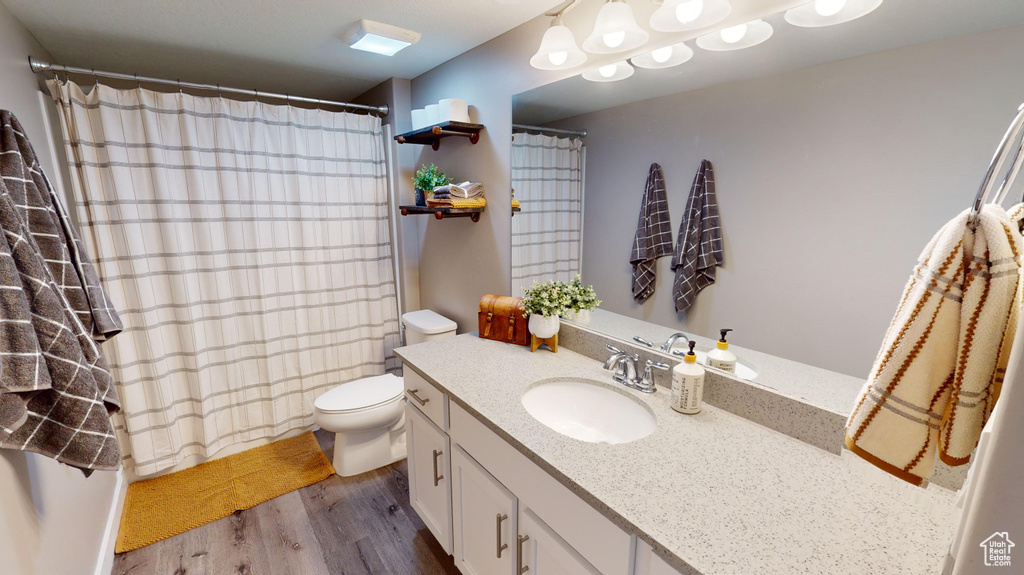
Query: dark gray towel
[699,246]
[56,393]
[653,237]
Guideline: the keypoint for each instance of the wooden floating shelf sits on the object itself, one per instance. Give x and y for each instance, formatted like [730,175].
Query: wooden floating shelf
[432,135]
[442,213]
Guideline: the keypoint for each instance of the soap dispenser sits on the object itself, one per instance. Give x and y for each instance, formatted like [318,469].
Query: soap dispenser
[721,358]
[688,384]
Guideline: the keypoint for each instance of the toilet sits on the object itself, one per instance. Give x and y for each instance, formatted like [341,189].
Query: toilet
[367,415]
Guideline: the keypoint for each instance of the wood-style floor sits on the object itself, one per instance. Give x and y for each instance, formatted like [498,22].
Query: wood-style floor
[341,526]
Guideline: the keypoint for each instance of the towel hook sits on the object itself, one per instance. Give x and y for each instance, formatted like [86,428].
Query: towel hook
[998,159]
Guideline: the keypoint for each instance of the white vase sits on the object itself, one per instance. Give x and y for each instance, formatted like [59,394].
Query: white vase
[582,317]
[543,327]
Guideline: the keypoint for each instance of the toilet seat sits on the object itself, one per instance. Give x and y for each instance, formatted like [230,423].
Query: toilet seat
[361,395]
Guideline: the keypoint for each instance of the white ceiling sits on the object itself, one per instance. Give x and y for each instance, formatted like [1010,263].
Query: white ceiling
[285,45]
[894,24]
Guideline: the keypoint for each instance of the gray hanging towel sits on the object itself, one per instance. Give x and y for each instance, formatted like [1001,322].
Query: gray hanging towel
[56,393]
[653,237]
[699,246]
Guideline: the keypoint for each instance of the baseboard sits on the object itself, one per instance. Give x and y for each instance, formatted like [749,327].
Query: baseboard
[105,560]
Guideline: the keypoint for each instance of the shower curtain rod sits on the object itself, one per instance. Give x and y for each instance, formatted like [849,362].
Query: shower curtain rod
[40,67]
[578,133]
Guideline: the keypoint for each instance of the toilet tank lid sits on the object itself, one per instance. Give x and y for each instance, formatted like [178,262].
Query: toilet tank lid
[361,393]
[428,322]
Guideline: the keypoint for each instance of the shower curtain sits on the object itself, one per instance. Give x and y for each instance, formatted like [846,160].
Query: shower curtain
[247,249]
[547,176]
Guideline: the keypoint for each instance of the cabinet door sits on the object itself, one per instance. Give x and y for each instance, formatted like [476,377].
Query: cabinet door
[484,519]
[542,552]
[430,475]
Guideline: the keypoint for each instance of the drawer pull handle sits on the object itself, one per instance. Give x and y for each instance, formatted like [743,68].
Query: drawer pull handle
[437,478]
[501,517]
[421,400]
[519,554]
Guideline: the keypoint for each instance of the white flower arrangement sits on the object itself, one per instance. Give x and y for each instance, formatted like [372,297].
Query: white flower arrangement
[547,299]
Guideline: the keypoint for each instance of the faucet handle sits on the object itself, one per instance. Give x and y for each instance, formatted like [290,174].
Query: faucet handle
[614,349]
[646,383]
[639,339]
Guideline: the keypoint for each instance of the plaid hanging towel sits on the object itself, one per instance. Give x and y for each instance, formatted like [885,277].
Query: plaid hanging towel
[56,393]
[938,374]
[653,237]
[699,246]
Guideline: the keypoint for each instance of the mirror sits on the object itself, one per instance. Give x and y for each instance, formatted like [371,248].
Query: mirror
[837,154]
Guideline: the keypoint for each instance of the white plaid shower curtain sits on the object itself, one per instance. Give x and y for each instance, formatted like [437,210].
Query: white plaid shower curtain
[547,176]
[246,247]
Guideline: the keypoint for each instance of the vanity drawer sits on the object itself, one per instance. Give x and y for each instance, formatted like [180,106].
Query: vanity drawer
[428,399]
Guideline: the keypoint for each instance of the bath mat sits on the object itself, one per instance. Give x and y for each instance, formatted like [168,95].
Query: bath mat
[158,508]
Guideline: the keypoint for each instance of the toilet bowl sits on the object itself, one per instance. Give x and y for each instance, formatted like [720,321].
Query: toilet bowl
[367,415]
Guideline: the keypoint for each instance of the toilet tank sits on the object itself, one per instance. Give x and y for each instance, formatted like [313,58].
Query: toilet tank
[425,325]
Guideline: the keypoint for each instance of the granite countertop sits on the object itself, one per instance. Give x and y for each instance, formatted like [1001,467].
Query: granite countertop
[712,493]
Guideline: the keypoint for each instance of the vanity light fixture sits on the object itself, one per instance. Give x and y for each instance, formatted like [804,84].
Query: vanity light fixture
[385,39]
[664,57]
[829,12]
[615,31]
[680,15]
[609,72]
[736,37]
[558,49]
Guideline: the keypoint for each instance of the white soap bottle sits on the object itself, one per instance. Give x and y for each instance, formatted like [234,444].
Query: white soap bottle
[688,384]
[721,358]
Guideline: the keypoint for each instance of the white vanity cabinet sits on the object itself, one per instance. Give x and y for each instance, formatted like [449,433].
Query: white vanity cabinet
[485,518]
[542,552]
[496,510]
[430,475]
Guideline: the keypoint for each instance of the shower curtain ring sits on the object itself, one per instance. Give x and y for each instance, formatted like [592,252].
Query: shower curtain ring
[137,81]
[256,96]
[95,78]
[179,86]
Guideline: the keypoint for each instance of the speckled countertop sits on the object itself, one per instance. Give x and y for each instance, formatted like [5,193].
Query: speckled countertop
[712,493]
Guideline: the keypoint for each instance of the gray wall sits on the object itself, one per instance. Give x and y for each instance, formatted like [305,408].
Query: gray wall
[52,519]
[831,179]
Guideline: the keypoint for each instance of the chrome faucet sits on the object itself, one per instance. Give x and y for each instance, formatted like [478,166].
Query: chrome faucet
[672,341]
[667,346]
[626,370]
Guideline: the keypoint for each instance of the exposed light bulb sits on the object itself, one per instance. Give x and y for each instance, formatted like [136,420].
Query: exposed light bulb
[558,58]
[828,7]
[689,11]
[661,55]
[607,71]
[734,34]
[614,39]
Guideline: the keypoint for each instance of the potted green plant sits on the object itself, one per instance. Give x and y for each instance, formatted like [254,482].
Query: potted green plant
[426,179]
[582,300]
[544,303]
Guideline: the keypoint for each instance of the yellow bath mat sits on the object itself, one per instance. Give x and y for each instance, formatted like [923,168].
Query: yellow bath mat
[158,508]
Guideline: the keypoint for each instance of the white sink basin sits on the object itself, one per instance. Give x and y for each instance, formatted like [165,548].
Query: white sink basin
[588,410]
